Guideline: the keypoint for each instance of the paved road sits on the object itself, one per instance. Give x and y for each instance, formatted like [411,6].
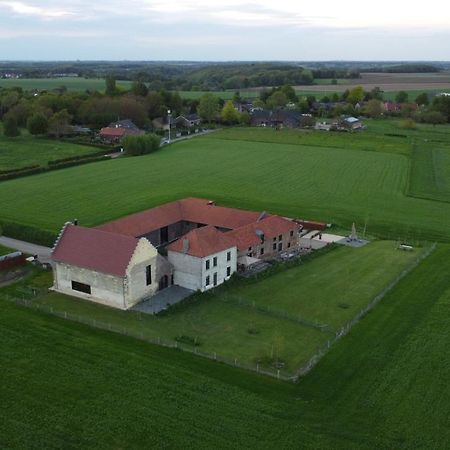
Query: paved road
[26,247]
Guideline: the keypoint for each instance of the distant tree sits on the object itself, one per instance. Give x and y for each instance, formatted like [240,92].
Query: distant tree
[376,93]
[401,97]
[139,88]
[37,124]
[432,117]
[208,107]
[59,123]
[110,84]
[356,95]
[141,145]
[335,97]
[277,100]
[229,115]
[441,103]
[373,108]
[244,118]
[258,103]
[237,97]
[422,99]
[289,92]
[10,128]
[154,104]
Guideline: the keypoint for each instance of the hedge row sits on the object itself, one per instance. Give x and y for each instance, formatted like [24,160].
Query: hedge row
[28,233]
[34,166]
[61,165]
[81,157]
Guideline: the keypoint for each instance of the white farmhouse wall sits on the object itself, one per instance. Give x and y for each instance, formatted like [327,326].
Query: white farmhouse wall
[220,269]
[190,272]
[136,280]
[105,289]
[187,270]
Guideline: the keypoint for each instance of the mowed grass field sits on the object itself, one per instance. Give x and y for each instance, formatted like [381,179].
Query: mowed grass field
[4,250]
[27,150]
[337,178]
[383,386]
[303,307]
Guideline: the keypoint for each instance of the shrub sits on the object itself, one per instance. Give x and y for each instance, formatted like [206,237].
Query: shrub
[408,124]
[28,233]
[188,340]
[10,128]
[141,145]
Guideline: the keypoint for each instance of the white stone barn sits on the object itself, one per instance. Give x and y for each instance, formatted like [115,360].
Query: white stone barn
[103,267]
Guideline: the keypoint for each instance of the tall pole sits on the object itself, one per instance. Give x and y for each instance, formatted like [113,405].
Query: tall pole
[168,119]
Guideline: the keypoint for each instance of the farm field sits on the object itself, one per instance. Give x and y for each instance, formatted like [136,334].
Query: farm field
[371,391]
[73,84]
[312,302]
[340,179]
[27,150]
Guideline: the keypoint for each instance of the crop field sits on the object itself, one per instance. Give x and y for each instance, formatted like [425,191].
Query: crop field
[385,385]
[26,150]
[302,307]
[362,178]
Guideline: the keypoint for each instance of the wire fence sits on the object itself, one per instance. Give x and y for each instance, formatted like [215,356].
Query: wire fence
[349,325]
[236,362]
[279,374]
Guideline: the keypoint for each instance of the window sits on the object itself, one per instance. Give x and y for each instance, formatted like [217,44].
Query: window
[228,271]
[249,249]
[261,252]
[148,275]
[274,239]
[215,279]
[228,256]
[207,264]
[171,280]
[274,246]
[207,281]
[289,244]
[81,287]
[292,233]
[215,261]
[280,246]
[164,235]
[280,237]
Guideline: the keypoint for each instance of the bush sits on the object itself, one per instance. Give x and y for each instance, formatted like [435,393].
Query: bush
[183,339]
[10,128]
[37,124]
[408,124]
[141,145]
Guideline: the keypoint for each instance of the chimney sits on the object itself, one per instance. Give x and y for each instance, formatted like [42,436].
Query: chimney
[261,236]
[185,245]
[261,216]
[75,222]
[211,203]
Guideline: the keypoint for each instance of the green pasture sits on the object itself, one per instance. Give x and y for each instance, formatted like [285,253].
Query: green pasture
[27,150]
[383,386]
[303,307]
[337,178]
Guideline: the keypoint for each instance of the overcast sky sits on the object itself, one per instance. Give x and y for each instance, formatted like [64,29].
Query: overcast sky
[225,29]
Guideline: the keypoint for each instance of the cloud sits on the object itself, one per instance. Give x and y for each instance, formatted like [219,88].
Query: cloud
[21,8]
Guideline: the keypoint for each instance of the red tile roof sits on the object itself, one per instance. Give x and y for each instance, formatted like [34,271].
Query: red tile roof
[94,249]
[190,209]
[203,242]
[271,227]
[113,132]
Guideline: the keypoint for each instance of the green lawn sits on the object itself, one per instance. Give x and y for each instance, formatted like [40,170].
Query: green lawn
[27,150]
[5,250]
[338,178]
[329,290]
[383,386]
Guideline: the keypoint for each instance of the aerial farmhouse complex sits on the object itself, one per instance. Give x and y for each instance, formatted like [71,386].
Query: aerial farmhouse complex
[192,243]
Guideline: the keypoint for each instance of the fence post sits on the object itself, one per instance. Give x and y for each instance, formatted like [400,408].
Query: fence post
[278,373]
[257,367]
[215,356]
[235,361]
